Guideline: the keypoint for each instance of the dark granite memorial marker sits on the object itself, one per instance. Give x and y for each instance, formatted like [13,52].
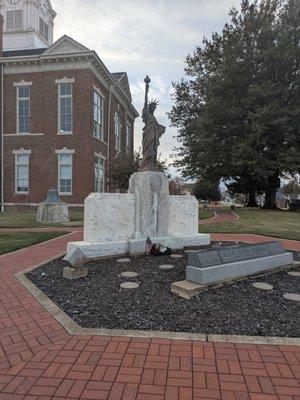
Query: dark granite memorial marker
[203,259]
[206,267]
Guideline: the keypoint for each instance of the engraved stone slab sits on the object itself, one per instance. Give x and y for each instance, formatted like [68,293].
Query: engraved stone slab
[230,254]
[262,286]
[129,285]
[205,267]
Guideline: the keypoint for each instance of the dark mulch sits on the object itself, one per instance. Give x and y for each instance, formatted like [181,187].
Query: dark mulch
[238,308]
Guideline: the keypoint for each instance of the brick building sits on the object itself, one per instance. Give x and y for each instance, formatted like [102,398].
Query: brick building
[64,116]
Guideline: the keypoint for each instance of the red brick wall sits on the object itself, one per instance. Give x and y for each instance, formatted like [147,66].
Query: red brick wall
[43,165]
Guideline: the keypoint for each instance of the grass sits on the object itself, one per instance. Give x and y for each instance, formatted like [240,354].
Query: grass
[282,224]
[14,241]
[18,219]
[205,214]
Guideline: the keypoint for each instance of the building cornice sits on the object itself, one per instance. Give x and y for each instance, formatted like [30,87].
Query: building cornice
[67,61]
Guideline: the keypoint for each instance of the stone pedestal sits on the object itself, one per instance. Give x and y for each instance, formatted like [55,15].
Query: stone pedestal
[151,190]
[53,212]
[119,224]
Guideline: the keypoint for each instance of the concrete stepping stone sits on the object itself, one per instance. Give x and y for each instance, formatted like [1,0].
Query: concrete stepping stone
[166,267]
[294,273]
[129,274]
[123,260]
[129,285]
[176,256]
[262,286]
[292,296]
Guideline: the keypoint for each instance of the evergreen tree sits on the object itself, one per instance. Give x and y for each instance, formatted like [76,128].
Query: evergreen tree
[236,110]
[207,191]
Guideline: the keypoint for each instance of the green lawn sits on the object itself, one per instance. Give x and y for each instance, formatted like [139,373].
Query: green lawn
[17,219]
[205,214]
[14,241]
[281,224]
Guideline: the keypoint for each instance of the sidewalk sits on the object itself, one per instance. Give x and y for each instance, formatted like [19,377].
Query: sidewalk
[219,217]
[39,360]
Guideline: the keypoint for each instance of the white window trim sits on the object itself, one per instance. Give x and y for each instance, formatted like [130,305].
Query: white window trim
[98,90]
[64,151]
[100,157]
[118,149]
[60,152]
[64,80]
[21,151]
[103,123]
[44,24]
[14,28]
[22,84]
[128,145]
[17,153]
[61,82]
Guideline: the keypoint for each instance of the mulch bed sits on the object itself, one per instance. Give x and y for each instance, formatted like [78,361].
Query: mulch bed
[236,309]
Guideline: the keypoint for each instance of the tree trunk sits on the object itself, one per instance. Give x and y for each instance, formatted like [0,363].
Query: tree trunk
[252,198]
[272,185]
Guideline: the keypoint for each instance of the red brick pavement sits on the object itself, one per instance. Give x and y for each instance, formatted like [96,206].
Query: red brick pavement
[39,360]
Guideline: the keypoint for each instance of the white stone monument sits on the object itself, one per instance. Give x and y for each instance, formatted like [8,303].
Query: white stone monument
[116,224]
[52,209]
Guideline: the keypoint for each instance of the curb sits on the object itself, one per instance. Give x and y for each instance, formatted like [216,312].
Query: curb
[74,329]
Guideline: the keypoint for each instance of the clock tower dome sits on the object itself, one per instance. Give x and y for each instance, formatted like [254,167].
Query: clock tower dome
[28,24]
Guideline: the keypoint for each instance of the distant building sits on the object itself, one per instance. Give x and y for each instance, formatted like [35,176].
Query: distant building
[64,115]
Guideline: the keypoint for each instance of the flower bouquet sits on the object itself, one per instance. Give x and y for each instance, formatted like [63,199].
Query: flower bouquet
[158,249]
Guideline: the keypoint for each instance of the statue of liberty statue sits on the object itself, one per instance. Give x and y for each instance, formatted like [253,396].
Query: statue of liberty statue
[152,132]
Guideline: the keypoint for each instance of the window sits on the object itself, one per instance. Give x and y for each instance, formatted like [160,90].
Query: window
[44,29]
[14,19]
[99,174]
[118,128]
[65,108]
[65,166]
[128,137]
[23,109]
[98,116]
[22,173]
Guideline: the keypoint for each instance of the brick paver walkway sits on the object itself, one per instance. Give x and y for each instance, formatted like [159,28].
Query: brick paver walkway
[39,360]
[219,217]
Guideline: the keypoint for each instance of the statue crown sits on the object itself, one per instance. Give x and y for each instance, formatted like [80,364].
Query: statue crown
[153,102]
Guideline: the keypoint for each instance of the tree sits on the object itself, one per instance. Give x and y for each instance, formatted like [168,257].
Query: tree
[236,111]
[207,191]
[176,186]
[124,165]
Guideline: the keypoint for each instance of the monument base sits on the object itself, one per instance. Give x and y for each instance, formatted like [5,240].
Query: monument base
[93,251]
[53,212]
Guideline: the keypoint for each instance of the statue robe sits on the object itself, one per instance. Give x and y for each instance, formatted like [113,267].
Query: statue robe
[152,132]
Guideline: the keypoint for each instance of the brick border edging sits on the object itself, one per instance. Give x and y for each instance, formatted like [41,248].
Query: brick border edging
[74,329]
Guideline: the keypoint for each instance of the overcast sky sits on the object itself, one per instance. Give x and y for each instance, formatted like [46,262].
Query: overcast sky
[143,37]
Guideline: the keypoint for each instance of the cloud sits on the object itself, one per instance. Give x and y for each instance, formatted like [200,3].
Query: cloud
[143,37]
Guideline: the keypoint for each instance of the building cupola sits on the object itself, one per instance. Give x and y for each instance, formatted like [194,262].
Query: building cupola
[28,24]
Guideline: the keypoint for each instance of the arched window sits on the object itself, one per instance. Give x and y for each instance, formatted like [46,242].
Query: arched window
[118,128]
